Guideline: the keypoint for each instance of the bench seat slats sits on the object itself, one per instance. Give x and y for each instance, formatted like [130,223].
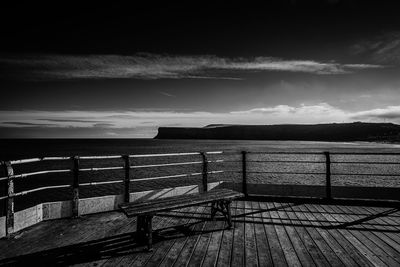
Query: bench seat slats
[180,197]
[157,205]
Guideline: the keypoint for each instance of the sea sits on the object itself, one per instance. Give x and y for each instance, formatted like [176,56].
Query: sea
[305,169]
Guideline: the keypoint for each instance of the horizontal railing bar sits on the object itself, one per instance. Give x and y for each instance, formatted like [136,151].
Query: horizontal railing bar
[284,153]
[3,197]
[366,153]
[174,154]
[174,164]
[102,169]
[101,157]
[39,189]
[23,175]
[365,174]
[22,161]
[285,161]
[3,178]
[100,183]
[365,162]
[317,173]
[173,176]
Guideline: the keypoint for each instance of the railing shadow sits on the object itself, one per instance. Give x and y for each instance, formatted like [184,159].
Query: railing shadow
[99,249]
[125,244]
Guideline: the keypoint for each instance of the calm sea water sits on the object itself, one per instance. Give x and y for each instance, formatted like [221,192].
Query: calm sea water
[19,149]
[25,148]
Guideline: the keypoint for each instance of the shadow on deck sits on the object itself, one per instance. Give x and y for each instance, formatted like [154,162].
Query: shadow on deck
[265,233]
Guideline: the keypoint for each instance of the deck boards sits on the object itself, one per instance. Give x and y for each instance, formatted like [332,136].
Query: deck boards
[264,234]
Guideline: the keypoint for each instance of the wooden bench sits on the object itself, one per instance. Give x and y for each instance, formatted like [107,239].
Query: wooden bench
[220,200]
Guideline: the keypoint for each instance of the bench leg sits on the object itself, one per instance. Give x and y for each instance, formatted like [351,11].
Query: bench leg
[223,206]
[149,232]
[144,231]
[140,229]
[228,211]
[214,209]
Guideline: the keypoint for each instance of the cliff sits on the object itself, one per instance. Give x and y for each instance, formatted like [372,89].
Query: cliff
[357,131]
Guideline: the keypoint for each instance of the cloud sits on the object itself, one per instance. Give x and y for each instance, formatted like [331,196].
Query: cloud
[167,94]
[26,124]
[321,109]
[155,66]
[388,113]
[383,49]
[145,123]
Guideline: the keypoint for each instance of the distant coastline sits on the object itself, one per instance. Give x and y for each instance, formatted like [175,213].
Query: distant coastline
[356,131]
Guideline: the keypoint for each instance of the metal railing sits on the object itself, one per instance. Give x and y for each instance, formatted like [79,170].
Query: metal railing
[76,170]
[323,158]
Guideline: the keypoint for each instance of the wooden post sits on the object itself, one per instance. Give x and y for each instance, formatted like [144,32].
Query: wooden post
[127,178]
[244,167]
[328,175]
[75,186]
[205,171]
[10,198]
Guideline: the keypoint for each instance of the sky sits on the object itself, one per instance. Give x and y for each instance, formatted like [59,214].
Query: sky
[117,71]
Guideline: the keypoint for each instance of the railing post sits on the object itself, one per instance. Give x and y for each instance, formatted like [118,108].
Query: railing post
[205,171]
[10,198]
[328,187]
[75,186]
[244,168]
[126,178]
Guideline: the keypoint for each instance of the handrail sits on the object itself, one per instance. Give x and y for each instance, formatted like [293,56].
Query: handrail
[23,161]
[174,176]
[324,157]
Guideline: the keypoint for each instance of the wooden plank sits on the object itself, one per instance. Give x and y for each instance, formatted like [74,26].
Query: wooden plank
[389,232]
[142,258]
[225,251]
[318,239]
[138,253]
[174,252]
[277,254]
[391,223]
[287,247]
[298,245]
[382,248]
[238,254]
[172,239]
[251,257]
[263,252]
[348,246]
[359,245]
[321,224]
[199,251]
[191,242]
[312,248]
[211,256]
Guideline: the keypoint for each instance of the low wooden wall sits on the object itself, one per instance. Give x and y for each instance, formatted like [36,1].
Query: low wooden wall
[63,209]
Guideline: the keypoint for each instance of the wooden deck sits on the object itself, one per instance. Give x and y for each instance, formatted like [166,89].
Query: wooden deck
[264,234]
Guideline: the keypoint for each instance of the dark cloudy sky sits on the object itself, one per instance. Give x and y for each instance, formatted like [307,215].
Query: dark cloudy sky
[73,70]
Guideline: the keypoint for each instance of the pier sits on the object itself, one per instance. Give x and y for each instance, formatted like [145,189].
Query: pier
[323,223]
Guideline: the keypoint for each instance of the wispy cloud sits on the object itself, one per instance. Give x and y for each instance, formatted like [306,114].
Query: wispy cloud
[145,123]
[388,113]
[167,94]
[155,66]
[383,49]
